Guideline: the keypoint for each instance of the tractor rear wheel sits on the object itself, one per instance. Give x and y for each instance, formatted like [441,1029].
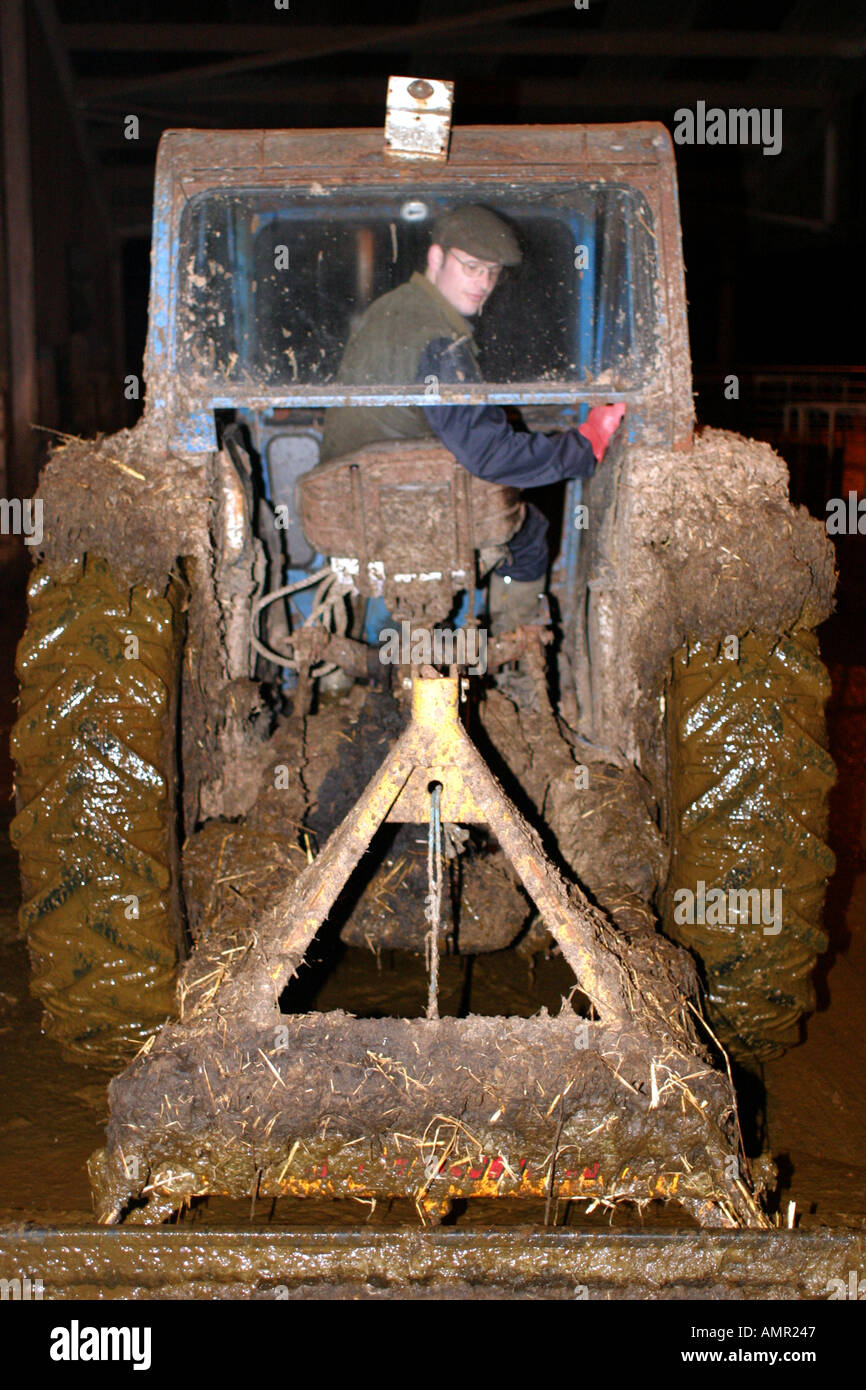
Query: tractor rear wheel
[94,747]
[749,778]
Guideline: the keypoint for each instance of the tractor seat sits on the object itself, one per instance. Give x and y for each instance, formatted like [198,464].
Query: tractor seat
[403,518]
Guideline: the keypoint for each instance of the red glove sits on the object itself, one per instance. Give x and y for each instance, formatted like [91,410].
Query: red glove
[600,424]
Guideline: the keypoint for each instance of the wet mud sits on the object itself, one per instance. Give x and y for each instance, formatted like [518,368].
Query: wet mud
[160,504]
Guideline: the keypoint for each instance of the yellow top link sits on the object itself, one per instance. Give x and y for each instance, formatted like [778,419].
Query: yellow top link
[434,700]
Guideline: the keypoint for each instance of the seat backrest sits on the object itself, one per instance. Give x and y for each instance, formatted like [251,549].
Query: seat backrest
[407,508]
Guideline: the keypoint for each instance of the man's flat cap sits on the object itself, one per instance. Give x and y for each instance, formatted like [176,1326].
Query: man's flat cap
[479,232]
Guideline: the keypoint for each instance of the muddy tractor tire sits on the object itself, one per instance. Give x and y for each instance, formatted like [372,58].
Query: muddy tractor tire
[95,829]
[749,781]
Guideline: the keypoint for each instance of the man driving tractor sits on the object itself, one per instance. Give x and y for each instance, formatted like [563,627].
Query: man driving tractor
[421,332]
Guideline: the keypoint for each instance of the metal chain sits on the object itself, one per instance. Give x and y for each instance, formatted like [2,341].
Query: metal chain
[433,903]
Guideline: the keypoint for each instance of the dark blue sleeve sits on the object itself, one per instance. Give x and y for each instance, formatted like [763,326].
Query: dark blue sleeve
[481,438]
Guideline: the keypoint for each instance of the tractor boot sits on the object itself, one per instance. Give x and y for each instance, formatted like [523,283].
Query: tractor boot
[338,683]
[513,602]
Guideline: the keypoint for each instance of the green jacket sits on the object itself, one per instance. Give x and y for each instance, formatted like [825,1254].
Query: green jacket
[386,348]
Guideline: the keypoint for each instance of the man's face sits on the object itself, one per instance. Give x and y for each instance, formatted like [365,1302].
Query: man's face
[464,280]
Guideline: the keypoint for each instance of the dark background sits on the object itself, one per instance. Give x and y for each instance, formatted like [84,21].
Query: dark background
[773,244]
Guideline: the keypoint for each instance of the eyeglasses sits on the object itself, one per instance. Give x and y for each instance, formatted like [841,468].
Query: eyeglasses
[475,269]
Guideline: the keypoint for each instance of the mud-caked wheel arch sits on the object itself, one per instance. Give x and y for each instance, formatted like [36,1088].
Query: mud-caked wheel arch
[697,662]
[94,746]
[749,780]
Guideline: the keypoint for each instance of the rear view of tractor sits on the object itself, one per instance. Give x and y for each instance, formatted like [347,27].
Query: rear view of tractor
[207,830]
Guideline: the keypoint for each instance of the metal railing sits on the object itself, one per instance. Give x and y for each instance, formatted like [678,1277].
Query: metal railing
[815,416]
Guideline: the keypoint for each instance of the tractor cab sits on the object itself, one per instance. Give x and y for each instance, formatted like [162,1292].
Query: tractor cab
[270,246]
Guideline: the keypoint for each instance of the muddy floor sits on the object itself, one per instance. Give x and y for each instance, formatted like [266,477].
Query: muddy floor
[808,1107]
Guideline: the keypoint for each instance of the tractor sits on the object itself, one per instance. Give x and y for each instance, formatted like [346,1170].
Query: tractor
[206,819]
